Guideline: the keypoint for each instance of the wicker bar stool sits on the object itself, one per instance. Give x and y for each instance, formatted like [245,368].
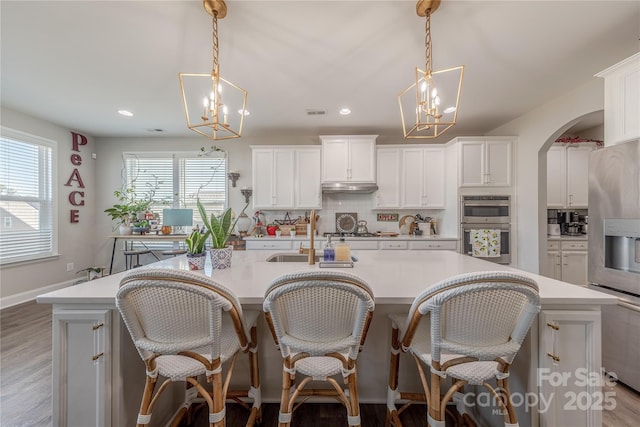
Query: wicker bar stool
[184,325]
[467,328]
[130,254]
[319,322]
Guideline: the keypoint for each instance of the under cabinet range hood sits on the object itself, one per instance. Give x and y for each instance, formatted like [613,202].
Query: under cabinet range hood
[349,187]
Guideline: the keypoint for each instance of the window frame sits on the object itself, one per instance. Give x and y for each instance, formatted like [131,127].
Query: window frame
[17,136]
[178,199]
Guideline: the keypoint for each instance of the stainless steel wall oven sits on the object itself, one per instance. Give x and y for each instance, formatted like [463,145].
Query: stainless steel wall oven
[479,214]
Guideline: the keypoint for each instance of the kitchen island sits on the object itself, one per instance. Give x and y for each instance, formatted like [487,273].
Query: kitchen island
[98,376]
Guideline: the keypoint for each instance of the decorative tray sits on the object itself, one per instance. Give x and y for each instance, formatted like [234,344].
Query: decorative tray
[335,264]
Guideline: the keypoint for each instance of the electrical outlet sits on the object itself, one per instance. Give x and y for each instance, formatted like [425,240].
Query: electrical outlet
[69,266]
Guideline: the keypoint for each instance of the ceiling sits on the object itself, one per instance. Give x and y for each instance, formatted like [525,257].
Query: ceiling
[75,63]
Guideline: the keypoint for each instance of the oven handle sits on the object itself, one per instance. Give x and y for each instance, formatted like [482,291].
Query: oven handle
[474,203]
[501,227]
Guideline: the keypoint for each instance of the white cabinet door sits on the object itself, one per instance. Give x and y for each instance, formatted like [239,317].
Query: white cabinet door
[498,163]
[335,159]
[307,178]
[349,158]
[82,367]
[262,181]
[578,176]
[423,178]
[434,178]
[273,178]
[413,178]
[621,101]
[283,182]
[575,267]
[471,163]
[556,177]
[388,172]
[554,265]
[484,163]
[569,344]
[362,159]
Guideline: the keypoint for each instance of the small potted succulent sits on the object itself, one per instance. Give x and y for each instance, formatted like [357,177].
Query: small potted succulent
[220,230]
[196,254]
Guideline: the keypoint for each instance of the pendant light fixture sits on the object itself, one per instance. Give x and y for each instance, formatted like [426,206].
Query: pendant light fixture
[214,107]
[429,107]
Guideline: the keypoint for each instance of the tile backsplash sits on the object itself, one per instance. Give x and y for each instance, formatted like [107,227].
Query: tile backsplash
[360,204]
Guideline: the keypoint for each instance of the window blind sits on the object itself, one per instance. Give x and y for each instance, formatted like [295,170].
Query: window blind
[27,223]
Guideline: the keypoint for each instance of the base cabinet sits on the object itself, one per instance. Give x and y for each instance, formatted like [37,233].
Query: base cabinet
[569,377]
[568,261]
[82,367]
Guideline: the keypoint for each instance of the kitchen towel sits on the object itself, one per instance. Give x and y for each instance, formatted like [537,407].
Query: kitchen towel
[485,242]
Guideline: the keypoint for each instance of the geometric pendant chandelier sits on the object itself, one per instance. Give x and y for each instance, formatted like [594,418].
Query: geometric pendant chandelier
[214,107]
[429,107]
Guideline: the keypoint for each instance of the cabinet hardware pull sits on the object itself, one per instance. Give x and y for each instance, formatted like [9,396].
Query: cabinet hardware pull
[98,326]
[554,357]
[97,356]
[552,326]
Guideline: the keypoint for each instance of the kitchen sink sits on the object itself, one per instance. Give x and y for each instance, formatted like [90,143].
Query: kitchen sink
[293,257]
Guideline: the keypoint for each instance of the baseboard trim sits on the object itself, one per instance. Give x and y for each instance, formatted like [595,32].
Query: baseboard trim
[11,300]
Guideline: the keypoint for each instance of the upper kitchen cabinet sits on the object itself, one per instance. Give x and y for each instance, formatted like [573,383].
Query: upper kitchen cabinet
[350,158]
[410,177]
[389,169]
[622,101]
[484,162]
[568,176]
[286,178]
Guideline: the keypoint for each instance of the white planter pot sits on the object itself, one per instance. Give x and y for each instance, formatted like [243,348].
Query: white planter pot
[196,261]
[124,229]
[221,258]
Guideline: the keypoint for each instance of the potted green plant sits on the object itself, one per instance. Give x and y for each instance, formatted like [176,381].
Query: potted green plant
[196,254]
[125,212]
[220,230]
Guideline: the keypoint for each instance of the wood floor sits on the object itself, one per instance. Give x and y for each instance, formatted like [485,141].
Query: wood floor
[25,384]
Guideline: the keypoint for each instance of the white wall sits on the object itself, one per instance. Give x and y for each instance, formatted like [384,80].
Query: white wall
[23,281]
[536,131]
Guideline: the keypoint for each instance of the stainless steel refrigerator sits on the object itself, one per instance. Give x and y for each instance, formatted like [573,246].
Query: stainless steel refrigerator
[614,254]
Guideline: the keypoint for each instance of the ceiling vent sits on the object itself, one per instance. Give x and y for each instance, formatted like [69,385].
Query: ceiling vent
[313,112]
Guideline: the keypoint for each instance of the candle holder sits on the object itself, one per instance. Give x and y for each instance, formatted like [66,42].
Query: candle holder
[246,192]
[233,176]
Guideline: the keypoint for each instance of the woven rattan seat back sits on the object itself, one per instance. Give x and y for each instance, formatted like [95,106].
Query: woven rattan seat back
[477,323]
[168,311]
[484,315]
[319,312]
[319,320]
[183,325]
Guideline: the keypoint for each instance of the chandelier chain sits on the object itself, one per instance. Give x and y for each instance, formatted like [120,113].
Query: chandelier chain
[216,64]
[427,42]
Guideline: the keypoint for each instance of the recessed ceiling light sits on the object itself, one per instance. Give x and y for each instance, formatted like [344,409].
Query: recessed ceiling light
[449,110]
[244,112]
[125,113]
[345,111]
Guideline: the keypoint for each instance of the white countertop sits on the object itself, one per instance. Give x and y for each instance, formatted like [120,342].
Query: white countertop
[396,277]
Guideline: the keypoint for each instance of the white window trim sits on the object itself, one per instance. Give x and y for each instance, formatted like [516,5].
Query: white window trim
[20,136]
